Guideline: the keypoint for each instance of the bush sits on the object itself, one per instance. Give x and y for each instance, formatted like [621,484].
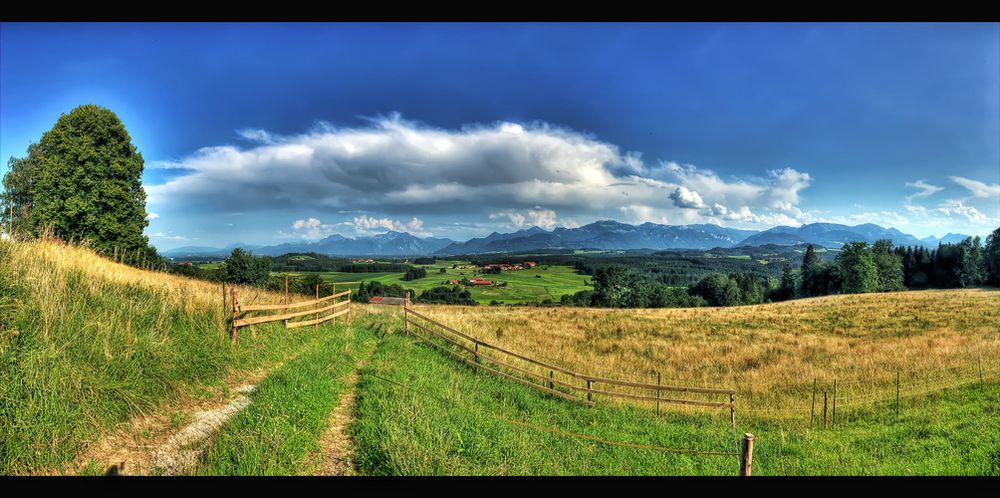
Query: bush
[242,267]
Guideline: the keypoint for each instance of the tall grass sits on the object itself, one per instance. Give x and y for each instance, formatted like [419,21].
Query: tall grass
[87,343]
[771,353]
[423,413]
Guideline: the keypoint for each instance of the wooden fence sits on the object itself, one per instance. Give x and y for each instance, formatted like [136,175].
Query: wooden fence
[290,311]
[571,385]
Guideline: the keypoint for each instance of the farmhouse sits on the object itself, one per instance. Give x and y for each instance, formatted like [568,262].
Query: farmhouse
[480,281]
[395,301]
[454,282]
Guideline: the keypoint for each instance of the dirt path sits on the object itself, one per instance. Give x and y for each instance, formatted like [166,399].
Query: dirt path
[336,454]
[169,439]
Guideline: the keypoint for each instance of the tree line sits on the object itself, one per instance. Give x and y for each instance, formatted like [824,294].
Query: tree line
[859,267]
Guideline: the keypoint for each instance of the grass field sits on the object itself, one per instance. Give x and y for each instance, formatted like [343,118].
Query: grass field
[422,413]
[523,286]
[770,353]
[86,345]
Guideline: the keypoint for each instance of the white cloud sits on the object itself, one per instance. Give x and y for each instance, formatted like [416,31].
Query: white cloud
[366,224]
[687,199]
[969,213]
[925,190]
[638,213]
[256,135]
[542,218]
[312,229]
[978,188]
[168,236]
[398,167]
[152,216]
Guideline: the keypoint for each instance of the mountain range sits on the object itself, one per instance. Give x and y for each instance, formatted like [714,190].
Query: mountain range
[604,235]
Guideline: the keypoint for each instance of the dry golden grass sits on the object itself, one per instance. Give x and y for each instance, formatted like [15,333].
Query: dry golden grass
[34,261]
[769,353]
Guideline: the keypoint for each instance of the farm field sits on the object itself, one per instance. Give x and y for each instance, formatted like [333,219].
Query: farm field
[523,286]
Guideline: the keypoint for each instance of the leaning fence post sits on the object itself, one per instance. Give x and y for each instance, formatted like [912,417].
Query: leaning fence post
[589,394]
[746,458]
[316,306]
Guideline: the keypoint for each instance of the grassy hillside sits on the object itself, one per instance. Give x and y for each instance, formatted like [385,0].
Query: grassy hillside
[86,343]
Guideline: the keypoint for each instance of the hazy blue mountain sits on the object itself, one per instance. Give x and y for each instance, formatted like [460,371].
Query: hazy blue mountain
[835,235]
[605,234]
[385,244]
[191,252]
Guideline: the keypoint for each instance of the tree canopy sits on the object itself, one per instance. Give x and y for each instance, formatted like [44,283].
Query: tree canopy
[82,181]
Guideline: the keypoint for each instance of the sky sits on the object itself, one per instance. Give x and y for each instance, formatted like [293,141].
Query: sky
[267,133]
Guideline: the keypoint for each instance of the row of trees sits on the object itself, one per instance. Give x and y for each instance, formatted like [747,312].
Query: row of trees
[860,267]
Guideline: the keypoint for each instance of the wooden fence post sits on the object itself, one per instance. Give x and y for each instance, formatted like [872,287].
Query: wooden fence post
[897,393]
[224,306]
[833,418]
[980,372]
[812,412]
[657,393]
[732,409]
[286,293]
[316,306]
[551,376]
[746,458]
[824,409]
[589,394]
[406,307]
[232,334]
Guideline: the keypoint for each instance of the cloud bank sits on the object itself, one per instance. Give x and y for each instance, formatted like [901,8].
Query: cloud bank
[515,174]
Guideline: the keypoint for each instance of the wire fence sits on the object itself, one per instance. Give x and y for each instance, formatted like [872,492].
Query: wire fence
[742,456]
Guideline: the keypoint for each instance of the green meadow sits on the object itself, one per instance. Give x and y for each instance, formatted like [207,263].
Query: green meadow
[533,285]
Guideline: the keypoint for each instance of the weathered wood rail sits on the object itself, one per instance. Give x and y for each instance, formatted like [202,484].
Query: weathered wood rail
[241,318]
[574,386]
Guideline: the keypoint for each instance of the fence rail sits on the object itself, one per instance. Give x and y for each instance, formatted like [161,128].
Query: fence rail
[567,389]
[241,319]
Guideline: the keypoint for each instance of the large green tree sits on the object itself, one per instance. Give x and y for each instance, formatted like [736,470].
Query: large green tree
[242,267]
[857,268]
[82,181]
[991,255]
[890,266]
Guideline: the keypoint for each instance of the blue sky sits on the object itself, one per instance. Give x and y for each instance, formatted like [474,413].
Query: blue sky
[264,133]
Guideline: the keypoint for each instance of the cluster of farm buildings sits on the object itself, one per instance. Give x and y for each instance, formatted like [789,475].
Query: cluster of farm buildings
[473,281]
[499,267]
